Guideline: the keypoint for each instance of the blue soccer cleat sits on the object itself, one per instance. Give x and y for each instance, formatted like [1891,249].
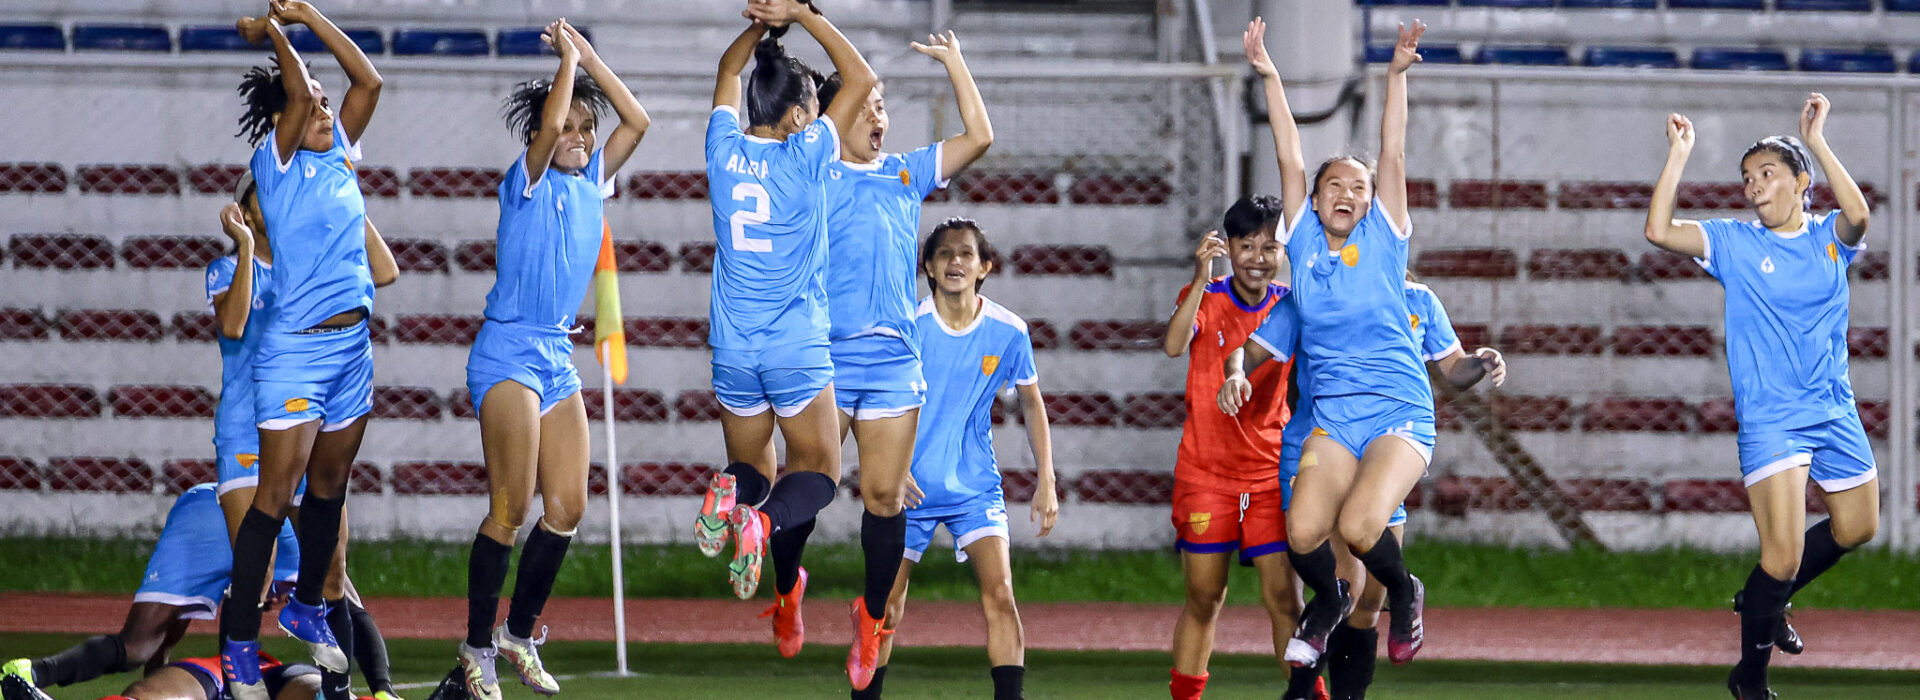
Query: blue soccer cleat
[240,663]
[308,623]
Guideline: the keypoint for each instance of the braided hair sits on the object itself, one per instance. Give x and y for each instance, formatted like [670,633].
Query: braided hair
[528,101]
[264,92]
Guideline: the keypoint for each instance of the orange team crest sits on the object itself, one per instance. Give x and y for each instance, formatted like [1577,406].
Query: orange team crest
[1198,522]
[1833,253]
[905,178]
[246,461]
[1350,255]
[989,363]
[1415,318]
[296,405]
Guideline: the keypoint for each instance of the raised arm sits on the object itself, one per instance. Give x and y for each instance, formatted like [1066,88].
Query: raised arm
[553,117]
[291,130]
[856,77]
[960,151]
[1046,501]
[363,81]
[726,85]
[1678,235]
[1286,134]
[380,264]
[1462,370]
[633,117]
[1393,127]
[232,307]
[1854,210]
[1180,328]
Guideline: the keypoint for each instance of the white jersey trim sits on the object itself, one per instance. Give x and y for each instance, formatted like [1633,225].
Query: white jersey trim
[1443,354]
[1283,357]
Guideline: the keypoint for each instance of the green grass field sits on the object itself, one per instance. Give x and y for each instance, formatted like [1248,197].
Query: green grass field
[1466,575]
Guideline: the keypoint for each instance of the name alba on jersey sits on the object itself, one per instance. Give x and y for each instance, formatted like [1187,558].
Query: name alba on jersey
[739,165]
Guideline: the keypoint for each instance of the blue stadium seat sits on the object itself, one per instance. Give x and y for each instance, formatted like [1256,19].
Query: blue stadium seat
[369,40]
[1507,3]
[119,37]
[1431,53]
[1717,4]
[1903,5]
[15,37]
[1847,61]
[1913,64]
[1523,55]
[1631,57]
[1609,4]
[1825,5]
[1435,3]
[525,41]
[222,38]
[1739,59]
[439,42]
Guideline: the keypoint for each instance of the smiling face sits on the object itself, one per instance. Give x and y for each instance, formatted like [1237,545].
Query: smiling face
[869,130]
[575,146]
[1254,257]
[1342,195]
[957,265]
[1771,186]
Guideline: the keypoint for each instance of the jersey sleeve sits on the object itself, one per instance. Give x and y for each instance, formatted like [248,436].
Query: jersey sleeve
[1399,238]
[1716,236]
[816,146]
[1182,299]
[1020,360]
[721,125]
[516,183]
[923,170]
[268,170]
[1437,338]
[219,277]
[1829,227]
[1280,332]
[351,148]
[597,173]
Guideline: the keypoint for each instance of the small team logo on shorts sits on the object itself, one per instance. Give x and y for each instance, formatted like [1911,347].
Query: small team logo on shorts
[246,461]
[1197,522]
[1319,431]
[1350,255]
[989,363]
[296,405]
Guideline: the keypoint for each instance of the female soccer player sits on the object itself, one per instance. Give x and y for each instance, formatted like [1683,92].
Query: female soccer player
[313,369]
[533,425]
[1786,324]
[873,214]
[769,303]
[973,348]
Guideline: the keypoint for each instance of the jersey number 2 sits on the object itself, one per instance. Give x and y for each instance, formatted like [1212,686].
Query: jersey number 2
[759,214]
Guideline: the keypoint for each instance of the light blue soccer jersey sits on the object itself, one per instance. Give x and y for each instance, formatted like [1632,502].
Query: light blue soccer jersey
[316,223]
[769,219]
[1786,319]
[547,243]
[1432,330]
[1432,327]
[873,221]
[953,459]
[1353,310]
[233,419]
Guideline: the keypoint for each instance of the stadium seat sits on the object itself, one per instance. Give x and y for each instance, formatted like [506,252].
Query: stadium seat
[436,329]
[1109,189]
[1605,195]
[1473,335]
[1432,3]
[115,37]
[1636,415]
[1874,417]
[985,187]
[441,183]
[1121,486]
[194,327]
[1081,409]
[666,331]
[697,406]
[1432,53]
[29,37]
[364,478]
[665,479]
[1726,58]
[1118,335]
[1703,496]
[171,252]
[1716,416]
[1608,4]
[1663,341]
[19,474]
[178,475]
[1423,194]
[1870,343]
[1063,260]
[377,329]
[641,256]
[1497,194]
[61,252]
[1631,56]
[1495,493]
[1660,265]
[1154,410]
[1913,61]
[369,40]
[405,403]
[1510,4]
[1903,6]
[48,401]
[161,402]
[460,403]
[1823,196]
[378,181]
[1847,60]
[1607,495]
[128,179]
[1710,196]
[697,257]
[216,38]
[111,324]
[1870,266]
[23,324]
[1471,263]
[1534,339]
[677,185]
[99,475]
[1043,334]
[1534,413]
[439,42]
[1824,5]
[1531,55]
[474,256]
[418,254]
[629,405]
[525,41]
[1577,264]
[440,478]
[32,178]
[215,178]
[1717,4]
[1019,485]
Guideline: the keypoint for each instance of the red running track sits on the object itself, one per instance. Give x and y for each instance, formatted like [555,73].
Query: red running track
[1835,638]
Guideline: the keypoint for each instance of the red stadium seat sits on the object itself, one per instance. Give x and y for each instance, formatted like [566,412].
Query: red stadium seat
[1824,201]
[1019,485]
[437,329]
[1473,335]
[1534,413]
[23,324]
[101,324]
[1043,334]
[1704,496]
[195,327]
[1081,409]
[215,178]
[666,332]
[1109,189]
[378,181]
[1155,410]
[19,474]
[1577,264]
[1716,416]
[1540,339]
[596,479]
[1870,266]
[1874,417]
[1471,263]
[629,405]
[418,254]
[674,186]
[99,474]
[1633,414]
[61,252]
[405,403]
[997,411]
[1094,260]
[1124,487]
[665,479]
[1710,197]
[48,401]
[460,404]
[1493,194]
[1423,194]
[1118,335]
[178,475]
[32,178]
[982,187]
[1870,343]
[1491,493]
[641,256]
[376,329]
[474,256]
[171,252]
[441,183]
[1660,265]
[365,478]
[161,402]
[697,406]
[1663,341]
[440,478]
[128,179]
[1605,195]
[697,257]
